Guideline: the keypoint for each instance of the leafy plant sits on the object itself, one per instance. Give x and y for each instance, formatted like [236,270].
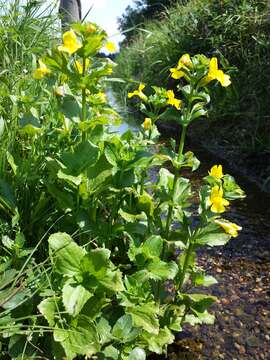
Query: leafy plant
[117,278]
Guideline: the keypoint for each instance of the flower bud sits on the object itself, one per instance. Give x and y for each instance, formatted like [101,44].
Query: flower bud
[147,124]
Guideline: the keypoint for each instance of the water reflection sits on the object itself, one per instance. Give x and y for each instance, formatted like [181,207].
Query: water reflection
[129,119]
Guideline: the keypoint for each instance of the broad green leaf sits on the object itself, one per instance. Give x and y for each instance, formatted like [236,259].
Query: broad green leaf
[96,263]
[67,255]
[161,270]
[146,204]
[48,307]
[122,327]
[231,189]
[212,235]
[74,297]
[71,108]
[145,316]
[104,330]
[158,343]
[111,353]
[85,154]
[152,247]
[79,339]
[73,180]
[113,281]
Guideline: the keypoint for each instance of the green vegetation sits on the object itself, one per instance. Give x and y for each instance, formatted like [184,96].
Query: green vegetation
[91,263]
[237,32]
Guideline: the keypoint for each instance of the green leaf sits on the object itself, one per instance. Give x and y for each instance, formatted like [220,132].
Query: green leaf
[96,263]
[152,247]
[158,343]
[137,354]
[111,353]
[66,254]
[104,330]
[79,339]
[212,235]
[145,316]
[85,155]
[122,327]
[2,126]
[74,297]
[12,163]
[71,108]
[7,198]
[48,307]
[161,270]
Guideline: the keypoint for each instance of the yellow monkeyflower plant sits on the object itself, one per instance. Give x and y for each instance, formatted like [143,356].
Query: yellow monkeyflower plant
[172,100]
[218,203]
[215,73]
[229,227]
[138,92]
[41,71]
[71,43]
[216,172]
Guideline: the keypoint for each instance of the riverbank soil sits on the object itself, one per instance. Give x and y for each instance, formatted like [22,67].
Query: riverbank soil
[242,268]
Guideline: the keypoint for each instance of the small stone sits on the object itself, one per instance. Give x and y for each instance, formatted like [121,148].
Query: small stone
[253,341]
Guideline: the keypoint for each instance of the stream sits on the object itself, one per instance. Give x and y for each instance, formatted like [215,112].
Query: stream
[242,268]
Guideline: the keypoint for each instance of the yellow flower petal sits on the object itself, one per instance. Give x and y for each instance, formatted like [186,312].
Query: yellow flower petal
[216,172]
[110,46]
[172,100]
[41,71]
[147,124]
[229,227]
[70,43]
[217,201]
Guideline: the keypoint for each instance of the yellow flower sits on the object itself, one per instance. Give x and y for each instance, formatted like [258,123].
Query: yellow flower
[110,46]
[229,227]
[70,43]
[215,74]
[41,71]
[91,28]
[59,90]
[217,201]
[177,73]
[79,65]
[185,60]
[147,124]
[172,100]
[216,172]
[102,97]
[138,93]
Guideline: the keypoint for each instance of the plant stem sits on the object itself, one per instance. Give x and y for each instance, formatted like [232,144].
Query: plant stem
[186,263]
[180,154]
[84,101]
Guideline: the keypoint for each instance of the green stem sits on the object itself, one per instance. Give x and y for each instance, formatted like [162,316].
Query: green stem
[84,113]
[180,154]
[186,264]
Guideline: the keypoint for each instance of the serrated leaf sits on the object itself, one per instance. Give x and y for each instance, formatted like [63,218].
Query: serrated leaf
[66,254]
[74,297]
